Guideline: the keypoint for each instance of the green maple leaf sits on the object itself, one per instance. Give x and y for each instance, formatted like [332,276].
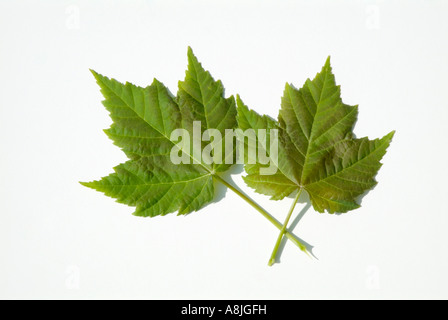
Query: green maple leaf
[143,120]
[317,151]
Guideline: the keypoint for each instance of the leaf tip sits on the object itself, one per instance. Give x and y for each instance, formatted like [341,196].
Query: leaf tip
[86,184]
[392,134]
[327,65]
[98,77]
[241,107]
[95,74]
[190,54]
[239,101]
[388,137]
[155,82]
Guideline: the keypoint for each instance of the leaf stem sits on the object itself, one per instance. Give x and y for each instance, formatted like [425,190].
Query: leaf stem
[283,229]
[264,213]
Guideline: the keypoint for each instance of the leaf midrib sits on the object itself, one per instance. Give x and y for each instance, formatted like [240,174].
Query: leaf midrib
[203,103]
[351,165]
[306,155]
[157,184]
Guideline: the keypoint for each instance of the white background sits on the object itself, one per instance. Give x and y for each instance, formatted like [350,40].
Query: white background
[61,240]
